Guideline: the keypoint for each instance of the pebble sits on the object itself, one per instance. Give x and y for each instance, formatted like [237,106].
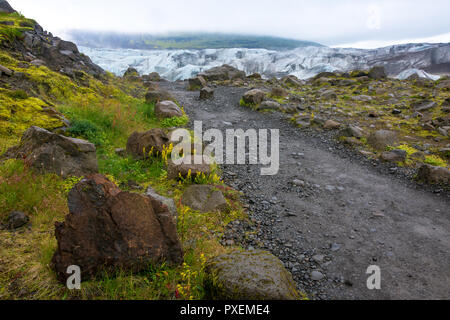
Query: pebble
[317,275]
[335,247]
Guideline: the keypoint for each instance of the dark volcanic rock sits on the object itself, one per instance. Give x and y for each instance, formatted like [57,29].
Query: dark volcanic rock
[111,230]
[17,219]
[249,275]
[377,73]
[54,153]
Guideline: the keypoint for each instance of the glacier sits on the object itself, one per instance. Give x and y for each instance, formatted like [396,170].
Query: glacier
[400,61]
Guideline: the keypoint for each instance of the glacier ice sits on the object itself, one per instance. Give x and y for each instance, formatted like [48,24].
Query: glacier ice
[302,62]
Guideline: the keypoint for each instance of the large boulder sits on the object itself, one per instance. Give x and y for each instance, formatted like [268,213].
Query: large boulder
[380,139]
[249,275]
[204,198]
[291,81]
[131,72]
[254,97]
[110,230]
[396,155]
[433,174]
[352,131]
[141,143]
[174,171]
[196,83]
[167,201]
[222,73]
[154,76]
[53,153]
[269,105]
[377,73]
[155,96]
[167,109]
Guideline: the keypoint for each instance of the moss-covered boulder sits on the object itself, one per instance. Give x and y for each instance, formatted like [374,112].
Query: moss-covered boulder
[249,275]
[254,97]
[204,198]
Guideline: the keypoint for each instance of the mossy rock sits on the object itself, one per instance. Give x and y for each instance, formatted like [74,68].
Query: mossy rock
[249,275]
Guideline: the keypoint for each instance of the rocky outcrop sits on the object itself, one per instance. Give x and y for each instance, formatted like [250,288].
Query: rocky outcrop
[110,230]
[140,144]
[5,7]
[222,73]
[167,109]
[377,73]
[53,153]
[167,201]
[249,275]
[204,198]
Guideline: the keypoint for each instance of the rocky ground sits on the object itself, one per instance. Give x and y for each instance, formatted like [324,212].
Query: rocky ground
[331,212]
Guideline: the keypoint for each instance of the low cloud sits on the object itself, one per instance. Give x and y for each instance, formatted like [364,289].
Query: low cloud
[326,21]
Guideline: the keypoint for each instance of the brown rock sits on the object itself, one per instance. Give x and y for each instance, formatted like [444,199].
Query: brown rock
[167,109]
[110,230]
[222,73]
[156,96]
[206,93]
[254,97]
[141,143]
[204,198]
[53,153]
[432,174]
[174,171]
[279,92]
[331,125]
[394,156]
[381,139]
[196,83]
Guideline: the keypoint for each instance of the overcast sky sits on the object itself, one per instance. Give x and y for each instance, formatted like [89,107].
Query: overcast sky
[357,23]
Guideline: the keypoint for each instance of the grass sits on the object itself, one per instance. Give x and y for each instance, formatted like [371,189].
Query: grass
[105,113]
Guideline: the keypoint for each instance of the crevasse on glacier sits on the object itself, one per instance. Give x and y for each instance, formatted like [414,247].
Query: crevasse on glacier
[303,62]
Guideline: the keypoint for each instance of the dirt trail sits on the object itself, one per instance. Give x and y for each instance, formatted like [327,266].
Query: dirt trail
[345,216]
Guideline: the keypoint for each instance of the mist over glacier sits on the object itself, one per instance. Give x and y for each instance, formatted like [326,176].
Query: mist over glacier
[399,61]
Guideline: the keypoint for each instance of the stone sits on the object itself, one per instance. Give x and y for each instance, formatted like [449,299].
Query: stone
[381,139]
[110,230]
[155,96]
[269,105]
[352,131]
[38,62]
[204,198]
[433,174]
[254,76]
[16,220]
[167,109]
[248,275]
[317,275]
[424,105]
[331,125]
[222,73]
[254,97]
[131,72]
[6,71]
[174,171]
[154,76]
[329,95]
[206,93]
[377,73]
[140,144]
[53,153]
[279,92]
[196,83]
[292,81]
[394,155]
[166,201]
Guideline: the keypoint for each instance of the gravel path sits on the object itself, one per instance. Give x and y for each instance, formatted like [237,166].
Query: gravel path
[342,214]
